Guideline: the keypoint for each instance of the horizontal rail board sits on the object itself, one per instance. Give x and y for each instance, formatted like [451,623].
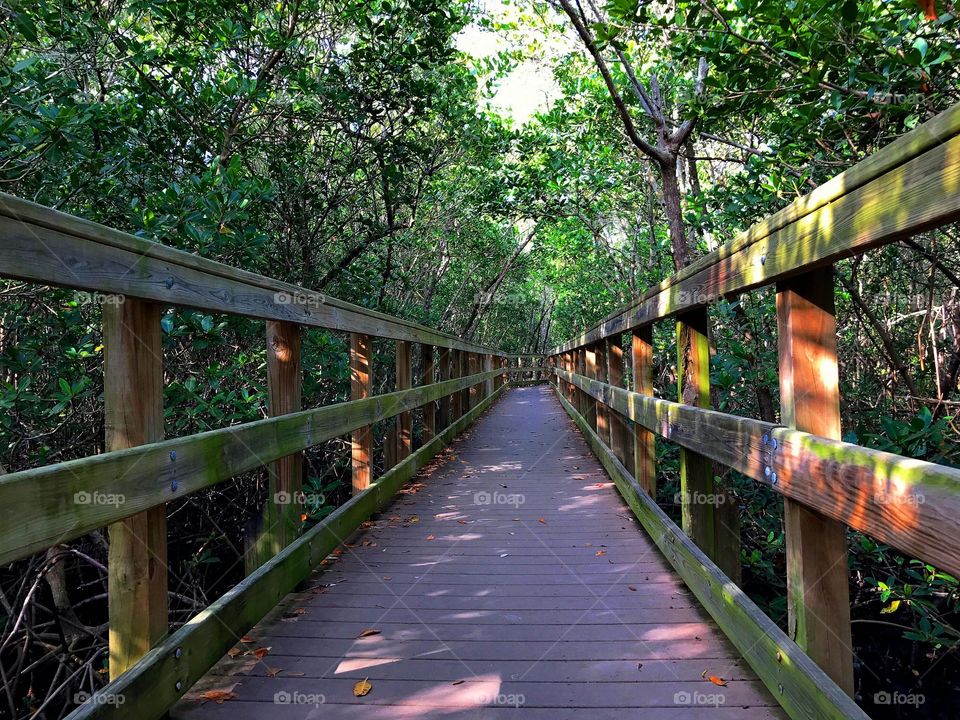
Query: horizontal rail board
[56,503]
[169,670]
[909,504]
[909,186]
[42,245]
[795,681]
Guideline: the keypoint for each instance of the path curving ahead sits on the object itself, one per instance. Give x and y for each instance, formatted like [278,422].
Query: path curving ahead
[509,581]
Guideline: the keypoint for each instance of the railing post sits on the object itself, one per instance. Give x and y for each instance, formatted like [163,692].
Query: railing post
[426,378]
[473,396]
[818,598]
[281,514]
[457,397]
[361,387]
[133,407]
[443,411]
[696,471]
[644,441]
[590,370]
[404,419]
[614,356]
[603,412]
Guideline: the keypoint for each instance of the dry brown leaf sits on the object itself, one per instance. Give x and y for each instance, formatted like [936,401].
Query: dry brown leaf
[218,696]
[261,652]
[631,588]
[717,681]
[247,639]
[601,553]
[368,632]
[542,521]
[363,687]
[430,537]
[273,672]
[234,651]
[458,682]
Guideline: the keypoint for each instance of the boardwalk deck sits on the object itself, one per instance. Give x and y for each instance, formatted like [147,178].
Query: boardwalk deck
[509,581]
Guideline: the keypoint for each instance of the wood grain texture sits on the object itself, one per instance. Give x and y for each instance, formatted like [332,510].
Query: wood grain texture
[280,519]
[644,441]
[797,683]
[51,247]
[133,415]
[818,596]
[361,388]
[481,563]
[404,382]
[907,503]
[427,370]
[618,429]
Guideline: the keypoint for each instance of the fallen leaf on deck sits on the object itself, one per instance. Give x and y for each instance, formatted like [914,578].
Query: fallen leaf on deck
[717,681]
[542,520]
[430,537]
[363,687]
[631,588]
[218,696]
[368,632]
[247,639]
[273,672]
[261,652]
[234,651]
[458,682]
[600,553]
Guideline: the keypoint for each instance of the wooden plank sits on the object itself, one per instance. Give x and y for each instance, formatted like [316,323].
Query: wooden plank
[697,491]
[795,681]
[404,382]
[644,442]
[162,676]
[443,407]
[818,596]
[426,378]
[38,507]
[361,387]
[844,220]
[618,430]
[280,519]
[47,246]
[603,422]
[909,504]
[133,415]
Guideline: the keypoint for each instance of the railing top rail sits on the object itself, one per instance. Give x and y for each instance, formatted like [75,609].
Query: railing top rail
[43,245]
[906,187]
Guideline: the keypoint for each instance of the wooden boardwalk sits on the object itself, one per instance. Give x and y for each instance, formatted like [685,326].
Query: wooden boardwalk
[509,581]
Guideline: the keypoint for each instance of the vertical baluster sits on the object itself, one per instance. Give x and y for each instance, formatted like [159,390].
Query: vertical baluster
[817,574]
[615,377]
[443,411]
[644,442]
[361,385]
[133,407]
[426,378]
[404,419]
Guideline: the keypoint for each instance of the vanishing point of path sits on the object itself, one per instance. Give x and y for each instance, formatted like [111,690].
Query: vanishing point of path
[508,582]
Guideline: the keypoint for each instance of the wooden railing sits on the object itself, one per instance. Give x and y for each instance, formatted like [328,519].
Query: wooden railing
[827,485]
[141,472]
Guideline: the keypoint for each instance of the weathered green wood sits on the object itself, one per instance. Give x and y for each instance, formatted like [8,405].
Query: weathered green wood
[909,504]
[47,246]
[168,671]
[57,503]
[907,187]
[133,416]
[794,680]
[279,520]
